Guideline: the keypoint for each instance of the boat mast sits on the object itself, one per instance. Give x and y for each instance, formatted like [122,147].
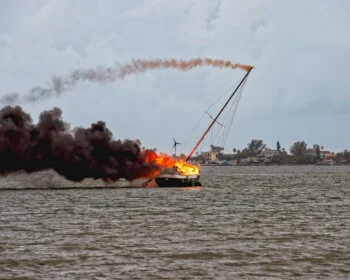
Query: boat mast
[217,116]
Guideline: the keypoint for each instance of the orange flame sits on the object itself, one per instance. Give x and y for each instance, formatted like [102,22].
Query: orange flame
[140,65]
[166,161]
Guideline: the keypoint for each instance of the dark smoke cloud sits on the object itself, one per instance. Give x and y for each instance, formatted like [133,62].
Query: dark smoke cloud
[84,153]
[100,74]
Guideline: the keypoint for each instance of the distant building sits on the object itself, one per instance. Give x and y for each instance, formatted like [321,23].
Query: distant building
[268,154]
[311,152]
[327,155]
[324,154]
[213,156]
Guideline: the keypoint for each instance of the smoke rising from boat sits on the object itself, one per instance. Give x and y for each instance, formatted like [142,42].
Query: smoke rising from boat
[75,154]
[101,74]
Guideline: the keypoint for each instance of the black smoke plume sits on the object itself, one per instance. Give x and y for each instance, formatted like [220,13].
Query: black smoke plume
[50,144]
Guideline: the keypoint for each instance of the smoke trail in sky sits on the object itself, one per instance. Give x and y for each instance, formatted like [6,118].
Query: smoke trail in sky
[100,74]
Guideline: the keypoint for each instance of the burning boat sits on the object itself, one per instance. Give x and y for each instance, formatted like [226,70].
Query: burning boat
[175,177]
[181,173]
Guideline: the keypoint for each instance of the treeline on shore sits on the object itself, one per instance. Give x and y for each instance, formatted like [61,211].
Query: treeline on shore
[298,153]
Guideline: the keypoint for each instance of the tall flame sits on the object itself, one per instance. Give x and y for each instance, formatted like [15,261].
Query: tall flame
[164,160]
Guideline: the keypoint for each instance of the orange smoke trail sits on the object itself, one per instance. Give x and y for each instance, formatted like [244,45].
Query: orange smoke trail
[101,74]
[140,65]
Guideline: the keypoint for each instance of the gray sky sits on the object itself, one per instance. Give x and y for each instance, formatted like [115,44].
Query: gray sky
[298,91]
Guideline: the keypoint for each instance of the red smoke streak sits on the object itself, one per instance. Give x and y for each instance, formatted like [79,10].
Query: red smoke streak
[183,65]
[100,74]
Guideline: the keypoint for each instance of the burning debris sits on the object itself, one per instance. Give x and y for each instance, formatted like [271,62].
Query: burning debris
[101,74]
[85,153]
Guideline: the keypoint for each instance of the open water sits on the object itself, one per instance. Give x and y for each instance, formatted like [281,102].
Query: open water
[272,222]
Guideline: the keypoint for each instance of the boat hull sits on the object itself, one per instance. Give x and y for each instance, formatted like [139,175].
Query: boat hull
[177,181]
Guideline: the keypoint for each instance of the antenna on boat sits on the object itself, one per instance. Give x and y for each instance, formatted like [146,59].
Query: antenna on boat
[175,144]
[217,116]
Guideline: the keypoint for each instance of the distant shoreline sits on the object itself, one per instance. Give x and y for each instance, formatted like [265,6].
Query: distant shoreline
[276,164]
[49,180]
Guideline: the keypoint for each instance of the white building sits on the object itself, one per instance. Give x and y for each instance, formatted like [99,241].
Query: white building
[268,154]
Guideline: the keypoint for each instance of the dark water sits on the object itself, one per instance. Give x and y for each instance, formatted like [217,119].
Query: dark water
[244,223]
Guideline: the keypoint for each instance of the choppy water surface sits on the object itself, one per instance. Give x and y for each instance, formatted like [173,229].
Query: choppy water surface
[244,223]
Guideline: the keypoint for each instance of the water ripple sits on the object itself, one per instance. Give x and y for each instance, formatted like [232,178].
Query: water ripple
[245,223]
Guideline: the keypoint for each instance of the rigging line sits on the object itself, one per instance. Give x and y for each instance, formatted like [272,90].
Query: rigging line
[196,126]
[214,133]
[218,115]
[207,140]
[223,135]
[229,111]
[222,124]
[225,93]
[219,129]
[227,116]
[218,132]
[211,136]
[210,116]
[233,110]
[193,130]
[229,123]
[239,96]
[233,105]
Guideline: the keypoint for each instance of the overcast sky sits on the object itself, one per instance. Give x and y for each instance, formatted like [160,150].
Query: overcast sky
[298,91]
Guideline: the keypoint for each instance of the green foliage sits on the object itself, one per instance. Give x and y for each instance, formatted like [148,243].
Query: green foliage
[277,159]
[299,154]
[227,157]
[346,156]
[299,149]
[278,146]
[318,152]
[305,159]
[254,148]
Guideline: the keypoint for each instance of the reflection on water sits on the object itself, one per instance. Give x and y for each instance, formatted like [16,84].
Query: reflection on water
[194,188]
[244,223]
